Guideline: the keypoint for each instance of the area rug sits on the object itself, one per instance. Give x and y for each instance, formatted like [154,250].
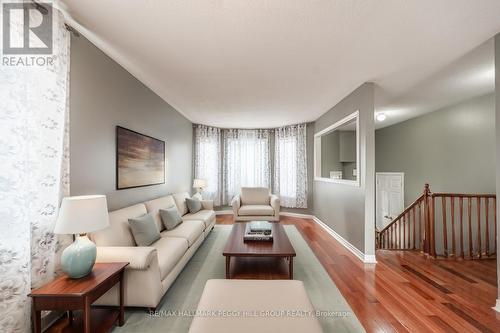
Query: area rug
[180,301]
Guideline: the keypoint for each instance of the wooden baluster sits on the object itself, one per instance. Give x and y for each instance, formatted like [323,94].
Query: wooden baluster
[453,248]
[398,232]
[393,237]
[469,211]
[426,220]
[487,213]
[401,239]
[408,227]
[396,241]
[389,244]
[421,226]
[445,229]
[414,229]
[390,237]
[404,231]
[479,247]
[433,226]
[461,204]
[495,222]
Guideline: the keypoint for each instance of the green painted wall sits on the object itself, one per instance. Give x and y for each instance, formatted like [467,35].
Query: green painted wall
[453,149]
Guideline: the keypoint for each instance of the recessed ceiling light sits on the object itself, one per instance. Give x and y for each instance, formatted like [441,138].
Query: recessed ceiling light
[381,116]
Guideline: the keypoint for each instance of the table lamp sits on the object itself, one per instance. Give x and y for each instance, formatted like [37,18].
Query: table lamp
[80,215]
[199,184]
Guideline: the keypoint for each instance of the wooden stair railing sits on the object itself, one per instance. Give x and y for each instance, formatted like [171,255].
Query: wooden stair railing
[406,231]
[458,225]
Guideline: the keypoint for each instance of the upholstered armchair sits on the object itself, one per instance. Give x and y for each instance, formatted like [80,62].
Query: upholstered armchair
[256,203]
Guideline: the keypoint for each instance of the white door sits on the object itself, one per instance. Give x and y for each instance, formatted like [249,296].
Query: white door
[389,197]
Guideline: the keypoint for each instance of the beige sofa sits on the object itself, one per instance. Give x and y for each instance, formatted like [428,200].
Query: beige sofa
[256,203]
[248,306]
[152,269]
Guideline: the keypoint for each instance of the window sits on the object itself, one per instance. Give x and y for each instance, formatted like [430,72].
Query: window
[290,166]
[246,161]
[207,160]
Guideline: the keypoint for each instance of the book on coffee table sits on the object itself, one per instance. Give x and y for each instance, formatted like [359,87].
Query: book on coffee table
[258,231]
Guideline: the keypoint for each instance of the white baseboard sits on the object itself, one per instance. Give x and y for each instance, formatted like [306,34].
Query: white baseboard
[497,307]
[223,212]
[291,214]
[365,258]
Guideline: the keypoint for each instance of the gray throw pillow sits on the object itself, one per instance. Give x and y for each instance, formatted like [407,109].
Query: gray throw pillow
[194,205]
[144,230]
[170,217]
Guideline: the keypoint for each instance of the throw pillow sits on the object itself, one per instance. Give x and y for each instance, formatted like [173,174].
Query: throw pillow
[194,205]
[170,217]
[144,230]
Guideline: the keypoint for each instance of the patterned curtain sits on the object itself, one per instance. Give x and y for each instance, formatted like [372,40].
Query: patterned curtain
[34,176]
[290,166]
[246,161]
[207,161]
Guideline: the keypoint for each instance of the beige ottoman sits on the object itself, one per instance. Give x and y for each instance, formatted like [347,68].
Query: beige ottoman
[254,306]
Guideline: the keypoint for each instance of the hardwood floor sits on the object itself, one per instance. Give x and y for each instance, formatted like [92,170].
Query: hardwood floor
[404,292]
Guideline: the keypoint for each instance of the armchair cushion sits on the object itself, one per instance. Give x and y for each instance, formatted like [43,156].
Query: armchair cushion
[255,196]
[256,210]
[139,257]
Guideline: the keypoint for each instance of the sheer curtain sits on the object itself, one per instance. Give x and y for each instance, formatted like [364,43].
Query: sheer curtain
[207,160]
[290,166]
[246,161]
[34,175]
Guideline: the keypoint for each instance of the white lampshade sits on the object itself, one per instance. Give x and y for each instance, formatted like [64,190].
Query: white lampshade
[199,183]
[82,214]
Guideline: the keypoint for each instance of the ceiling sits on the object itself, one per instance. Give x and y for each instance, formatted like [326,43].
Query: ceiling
[267,63]
[471,75]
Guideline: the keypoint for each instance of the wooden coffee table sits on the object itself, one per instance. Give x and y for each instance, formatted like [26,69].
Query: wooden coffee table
[280,248]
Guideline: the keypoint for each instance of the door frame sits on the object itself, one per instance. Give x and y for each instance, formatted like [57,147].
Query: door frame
[376,189]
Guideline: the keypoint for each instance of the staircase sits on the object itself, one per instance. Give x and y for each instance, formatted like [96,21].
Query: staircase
[450,225]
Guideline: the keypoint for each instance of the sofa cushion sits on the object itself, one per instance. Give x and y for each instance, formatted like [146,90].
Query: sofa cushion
[256,210]
[118,233]
[254,196]
[144,230]
[170,217]
[170,251]
[180,201]
[154,206]
[207,216]
[193,204]
[188,230]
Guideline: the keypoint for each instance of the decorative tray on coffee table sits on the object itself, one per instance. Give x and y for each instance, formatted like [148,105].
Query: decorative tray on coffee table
[258,231]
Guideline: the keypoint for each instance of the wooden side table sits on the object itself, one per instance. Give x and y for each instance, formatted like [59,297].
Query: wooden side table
[68,294]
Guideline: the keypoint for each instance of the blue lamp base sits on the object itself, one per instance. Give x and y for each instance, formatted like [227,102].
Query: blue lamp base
[78,259]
